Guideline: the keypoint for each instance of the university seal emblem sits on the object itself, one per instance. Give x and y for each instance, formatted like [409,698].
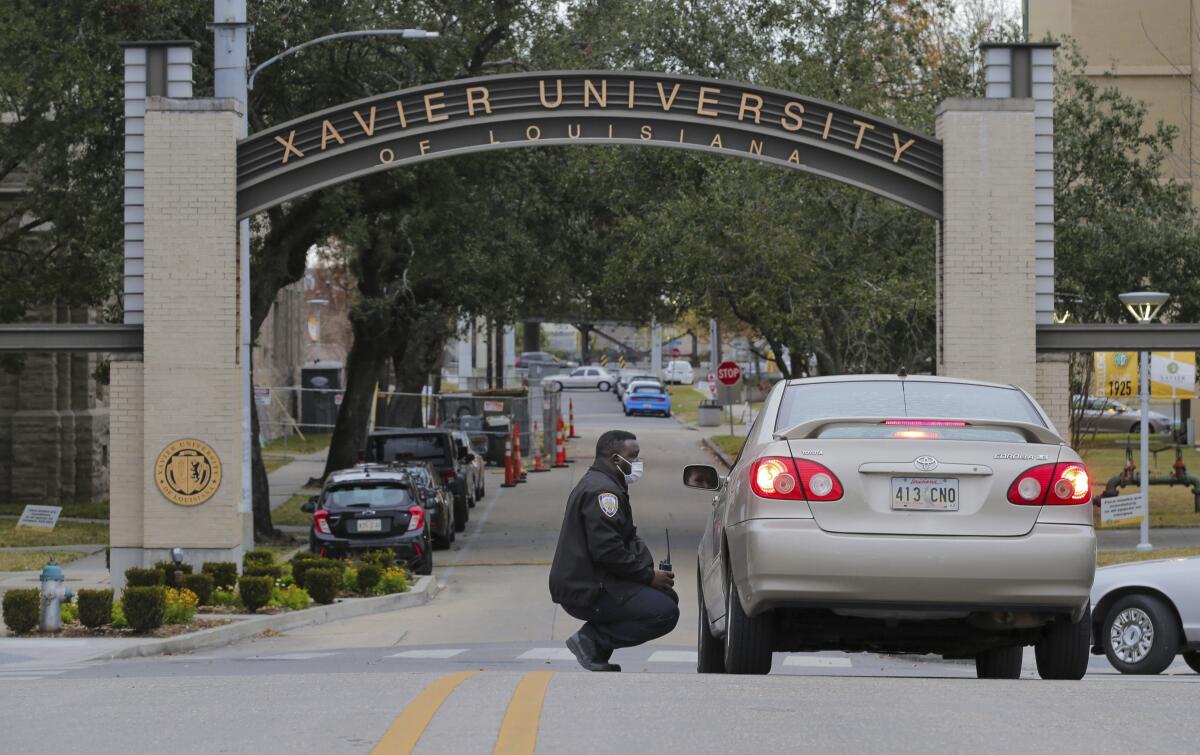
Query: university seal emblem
[188,472]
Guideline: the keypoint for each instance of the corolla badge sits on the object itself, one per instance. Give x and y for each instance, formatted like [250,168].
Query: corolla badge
[925,463]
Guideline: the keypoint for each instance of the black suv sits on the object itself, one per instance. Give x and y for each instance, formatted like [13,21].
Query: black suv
[435,446]
[438,500]
[371,507]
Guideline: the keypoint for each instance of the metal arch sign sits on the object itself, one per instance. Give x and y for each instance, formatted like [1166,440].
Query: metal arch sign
[588,107]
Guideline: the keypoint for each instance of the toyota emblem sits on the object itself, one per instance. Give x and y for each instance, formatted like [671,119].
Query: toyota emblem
[925,463]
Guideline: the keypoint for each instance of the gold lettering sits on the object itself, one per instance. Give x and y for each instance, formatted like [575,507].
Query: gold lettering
[828,125]
[431,105]
[574,134]
[756,146]
[899,149]
[400,112]
[478,96]
[667,102]
[862,129]
[589,91]
[327,130]
[716,142]
[746,107]
[386,155]
[646,133]
[424,145]
[631,94]
[289,148]
[542,94]
[794,157]
[704,99]
[792,110]
[533,133]
[492,137]
[368,129]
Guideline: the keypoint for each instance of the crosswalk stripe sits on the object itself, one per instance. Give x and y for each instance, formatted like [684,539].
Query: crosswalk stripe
[519,730]
[290,657]
[404,733]
[439,653]
[816,661]
[546,654]
[672,656]
[22,678]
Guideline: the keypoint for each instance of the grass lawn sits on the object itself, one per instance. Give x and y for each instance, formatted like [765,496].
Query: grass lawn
[35,560]
[289,511]
[66,533]
[84,510]
[1108,558]
[685,402]
[730,444]
[281,451]
[1170,506]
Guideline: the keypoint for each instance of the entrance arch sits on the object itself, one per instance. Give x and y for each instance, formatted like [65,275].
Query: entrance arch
[588,107]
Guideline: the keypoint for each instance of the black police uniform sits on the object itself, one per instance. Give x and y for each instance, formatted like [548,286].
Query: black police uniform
[602,570]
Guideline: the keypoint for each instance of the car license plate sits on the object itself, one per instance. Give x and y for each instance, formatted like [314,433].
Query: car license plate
[925,493]
[368,525]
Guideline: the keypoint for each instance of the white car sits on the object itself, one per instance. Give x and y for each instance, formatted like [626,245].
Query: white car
[581,377]
[679,371]
[1146,612]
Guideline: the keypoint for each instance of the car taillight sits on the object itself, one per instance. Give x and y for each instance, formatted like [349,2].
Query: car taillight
[321,521]
[782,478]
[818,482]
[449,474]
[416,518]
[1065,483]
[925,422]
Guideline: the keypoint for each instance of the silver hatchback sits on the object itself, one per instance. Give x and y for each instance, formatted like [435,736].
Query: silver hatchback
[898,514]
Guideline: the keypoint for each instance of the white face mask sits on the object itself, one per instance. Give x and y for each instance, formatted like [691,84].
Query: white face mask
[635,470]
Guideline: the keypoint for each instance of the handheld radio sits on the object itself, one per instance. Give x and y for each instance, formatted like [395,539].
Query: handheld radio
[665,564]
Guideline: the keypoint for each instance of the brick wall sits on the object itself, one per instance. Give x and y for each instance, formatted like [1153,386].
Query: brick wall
[128,464]
[1053,390]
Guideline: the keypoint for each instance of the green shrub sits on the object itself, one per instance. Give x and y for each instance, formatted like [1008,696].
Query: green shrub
[258,556]
[95,607]
[181,606]
[168,568]
[292,597]
[224,573]
[349,578]
[145,607]
[136,577]
[118,616]
[368,576]
[255,591]
[303,566]
[274,571]
[201,584]
[226,598]
[21,610]
[394,580]
[323,584]
[68,613]
[381,558]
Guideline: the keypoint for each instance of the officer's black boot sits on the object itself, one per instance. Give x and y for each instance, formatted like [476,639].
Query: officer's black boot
[583,647]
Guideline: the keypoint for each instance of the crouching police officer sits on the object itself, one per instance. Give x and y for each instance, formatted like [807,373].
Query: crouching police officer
[603,573]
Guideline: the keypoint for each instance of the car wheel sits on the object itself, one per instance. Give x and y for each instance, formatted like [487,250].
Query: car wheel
[747,638]
[1135,428]
[667,413]
[556,387]
[627,412]
[710,652]
[1192,659]
[999,663]
[472,497]
[1063,651]
[1140,635]
[460,513]
[603,386]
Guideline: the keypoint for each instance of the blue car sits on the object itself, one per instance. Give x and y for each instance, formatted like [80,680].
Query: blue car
[647,399]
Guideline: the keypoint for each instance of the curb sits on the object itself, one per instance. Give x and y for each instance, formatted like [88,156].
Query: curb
[716,450]
[424,591]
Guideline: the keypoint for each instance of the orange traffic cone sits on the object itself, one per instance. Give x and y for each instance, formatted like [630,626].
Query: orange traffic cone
[538,466]
[571,410]
[518,467]
[560,451]
[508,464]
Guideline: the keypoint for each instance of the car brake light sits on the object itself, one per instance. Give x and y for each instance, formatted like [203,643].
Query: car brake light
[1065,483]
[925,422]
[782,478]
[917,434]
[321,521]
[416,518]
[449,474]
[819,483]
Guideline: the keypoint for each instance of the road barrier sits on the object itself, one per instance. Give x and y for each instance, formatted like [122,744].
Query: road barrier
[560,446]
[509,481]
[519,468]
[571,406]
[538,465]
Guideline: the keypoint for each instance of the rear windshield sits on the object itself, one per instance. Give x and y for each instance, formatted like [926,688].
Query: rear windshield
[374,494]
[431,447]
[648,389]
[418,473]
[916,399]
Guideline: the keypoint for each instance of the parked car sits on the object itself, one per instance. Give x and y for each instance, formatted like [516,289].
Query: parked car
[476,466]
[436,446]
[371,507]
[1146,612]
[437,499]
[1108,415]
[893,514]
[647,399]
[623,382]
[527,358]
[679,371]
[580,377]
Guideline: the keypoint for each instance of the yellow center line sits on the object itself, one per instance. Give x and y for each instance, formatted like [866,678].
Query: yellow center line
[519,730]
[401,737]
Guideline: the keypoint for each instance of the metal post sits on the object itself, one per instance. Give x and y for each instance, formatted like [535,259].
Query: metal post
[655,349]
[1144,391]
[714,347]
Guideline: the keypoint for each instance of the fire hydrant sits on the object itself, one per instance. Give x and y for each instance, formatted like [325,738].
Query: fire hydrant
[54,592]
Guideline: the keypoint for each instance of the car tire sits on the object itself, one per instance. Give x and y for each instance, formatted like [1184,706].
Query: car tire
[1130,651]
[627,412]
[1065,647]
[1000,663]
[471,498]
[461,512]
[710,651]
[747,638]
[442,542]
[603,386]
[1192,659]
[556,387]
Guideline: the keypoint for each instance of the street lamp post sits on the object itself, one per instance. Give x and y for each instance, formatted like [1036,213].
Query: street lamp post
[318,303]
[402,33]
[1144,306]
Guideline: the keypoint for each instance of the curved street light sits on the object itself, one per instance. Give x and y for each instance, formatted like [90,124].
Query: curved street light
[403,33]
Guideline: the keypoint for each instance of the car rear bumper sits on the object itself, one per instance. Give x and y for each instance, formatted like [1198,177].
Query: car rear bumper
[794,563]
[409,547]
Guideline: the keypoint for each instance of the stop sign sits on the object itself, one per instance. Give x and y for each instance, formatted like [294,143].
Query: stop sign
[729,373]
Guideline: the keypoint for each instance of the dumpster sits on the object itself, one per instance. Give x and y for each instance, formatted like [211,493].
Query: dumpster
[710,413]
[322,394]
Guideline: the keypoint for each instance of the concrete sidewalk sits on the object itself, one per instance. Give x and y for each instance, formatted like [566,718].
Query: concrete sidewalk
[291,478]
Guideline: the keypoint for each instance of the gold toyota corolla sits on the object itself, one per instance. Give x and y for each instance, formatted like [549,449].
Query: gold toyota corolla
[904,514]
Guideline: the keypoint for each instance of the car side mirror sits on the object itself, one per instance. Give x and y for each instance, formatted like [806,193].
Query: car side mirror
[310,505]
[701,477]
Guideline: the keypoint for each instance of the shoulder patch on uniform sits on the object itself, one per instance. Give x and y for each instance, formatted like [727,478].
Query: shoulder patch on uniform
[609,503]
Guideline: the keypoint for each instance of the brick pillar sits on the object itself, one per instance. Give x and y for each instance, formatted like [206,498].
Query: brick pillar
[1054,390]
[985,271]
[126,468]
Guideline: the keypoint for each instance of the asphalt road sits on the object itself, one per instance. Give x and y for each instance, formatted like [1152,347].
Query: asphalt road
[482,668]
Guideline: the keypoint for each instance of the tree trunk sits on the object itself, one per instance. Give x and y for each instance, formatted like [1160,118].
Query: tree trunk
[532,336]
[264,530]
[498,339]
[362,371]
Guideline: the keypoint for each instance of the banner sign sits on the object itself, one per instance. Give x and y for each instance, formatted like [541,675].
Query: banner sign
[1173,374]
[1116,374]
